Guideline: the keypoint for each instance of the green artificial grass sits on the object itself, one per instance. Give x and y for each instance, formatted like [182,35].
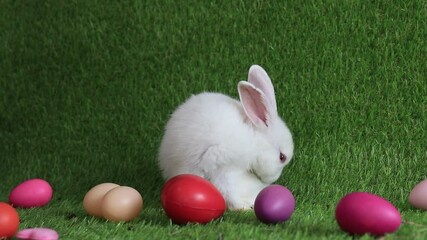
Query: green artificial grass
[86,88]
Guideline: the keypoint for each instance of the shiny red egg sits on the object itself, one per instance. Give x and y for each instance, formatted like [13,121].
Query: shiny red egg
[9,220]
[189,198]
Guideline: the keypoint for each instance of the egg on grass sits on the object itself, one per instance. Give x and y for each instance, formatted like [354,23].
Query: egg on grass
[9,220]
[93,198]
[188,198]
[121,204]
[31,193]
[113,202]
[360,213]
[418,195]
[274,204]
[37,234]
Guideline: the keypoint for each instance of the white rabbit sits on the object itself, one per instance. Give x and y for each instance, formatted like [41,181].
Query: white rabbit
[240,147]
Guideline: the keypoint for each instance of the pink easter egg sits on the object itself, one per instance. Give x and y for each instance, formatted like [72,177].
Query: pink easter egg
[361,213]
[31,193]
[37,234]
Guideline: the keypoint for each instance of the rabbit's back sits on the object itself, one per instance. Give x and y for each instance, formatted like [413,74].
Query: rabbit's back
[204,120]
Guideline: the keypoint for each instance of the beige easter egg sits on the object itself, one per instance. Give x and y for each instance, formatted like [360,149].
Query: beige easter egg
[93,198]
[418,195]
[121,204]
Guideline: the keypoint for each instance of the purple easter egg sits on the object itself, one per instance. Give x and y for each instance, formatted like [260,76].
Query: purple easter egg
[274,204]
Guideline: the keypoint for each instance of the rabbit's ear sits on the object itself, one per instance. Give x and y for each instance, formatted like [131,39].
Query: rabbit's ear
[260,79]
[254,103]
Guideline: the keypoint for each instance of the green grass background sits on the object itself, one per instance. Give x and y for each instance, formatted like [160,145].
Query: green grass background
[86,88]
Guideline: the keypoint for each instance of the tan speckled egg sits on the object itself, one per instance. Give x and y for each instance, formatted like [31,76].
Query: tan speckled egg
[93,198]
[121,204]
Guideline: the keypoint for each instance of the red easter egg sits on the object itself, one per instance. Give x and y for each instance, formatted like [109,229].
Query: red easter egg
[361,213]
[189,198]
[9,220]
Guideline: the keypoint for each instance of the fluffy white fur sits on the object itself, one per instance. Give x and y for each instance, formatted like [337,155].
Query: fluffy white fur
[235,145]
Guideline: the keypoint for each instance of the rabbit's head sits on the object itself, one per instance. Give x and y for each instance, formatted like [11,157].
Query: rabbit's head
[273,139]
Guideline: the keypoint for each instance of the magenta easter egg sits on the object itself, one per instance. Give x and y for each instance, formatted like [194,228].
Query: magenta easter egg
[189,198]
[361,213]
[274,204]
[31,193]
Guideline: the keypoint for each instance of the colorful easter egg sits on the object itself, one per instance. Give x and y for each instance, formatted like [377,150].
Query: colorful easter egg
[189,198]
[361,213]
[274,204]
[9,220]
[37,234]
[31,193]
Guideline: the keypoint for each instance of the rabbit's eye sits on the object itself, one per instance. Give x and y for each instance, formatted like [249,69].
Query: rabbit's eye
[282,157]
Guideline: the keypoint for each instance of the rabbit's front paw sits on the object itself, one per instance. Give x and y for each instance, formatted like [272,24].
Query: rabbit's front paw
[241,204]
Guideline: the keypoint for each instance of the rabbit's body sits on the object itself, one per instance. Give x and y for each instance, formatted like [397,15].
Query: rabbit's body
[196,141]
[212,135]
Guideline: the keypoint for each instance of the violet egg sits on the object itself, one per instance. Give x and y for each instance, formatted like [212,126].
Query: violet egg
[31,193]
[274,204]
[418,195]
[361,213]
